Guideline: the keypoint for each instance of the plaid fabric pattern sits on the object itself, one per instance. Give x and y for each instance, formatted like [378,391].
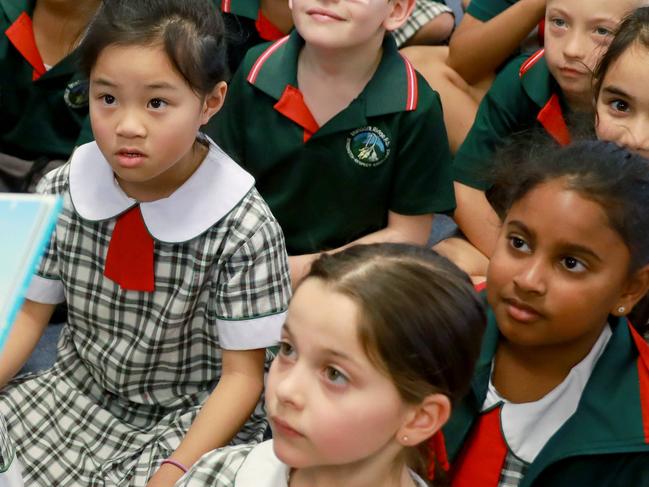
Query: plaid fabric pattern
[217,468]
[424,12]
[133,368]
[7,450]
[513,471]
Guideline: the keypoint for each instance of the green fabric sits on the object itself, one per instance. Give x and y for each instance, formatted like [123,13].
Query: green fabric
[36,121]
[485,10]
[510,106]
[601,445]
[242,8]
[322,197]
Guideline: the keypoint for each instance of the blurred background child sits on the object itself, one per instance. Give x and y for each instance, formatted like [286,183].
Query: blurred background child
[377,347]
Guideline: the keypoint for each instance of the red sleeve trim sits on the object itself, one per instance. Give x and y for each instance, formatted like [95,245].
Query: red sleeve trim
[254,72]
[531,61]
[411,80]
[643,377]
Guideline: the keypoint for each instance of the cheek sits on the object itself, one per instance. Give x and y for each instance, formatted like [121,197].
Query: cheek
[606,128]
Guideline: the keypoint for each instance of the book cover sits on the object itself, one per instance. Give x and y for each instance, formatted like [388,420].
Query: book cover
[26,223]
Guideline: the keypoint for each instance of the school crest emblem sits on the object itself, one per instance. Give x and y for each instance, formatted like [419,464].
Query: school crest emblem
[368,146]
[76,94]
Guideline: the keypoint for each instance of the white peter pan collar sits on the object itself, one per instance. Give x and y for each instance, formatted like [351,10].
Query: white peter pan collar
[527,427]
[209,194]
[262,468]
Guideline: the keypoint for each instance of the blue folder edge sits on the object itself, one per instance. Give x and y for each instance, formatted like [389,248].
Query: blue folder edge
[37,254]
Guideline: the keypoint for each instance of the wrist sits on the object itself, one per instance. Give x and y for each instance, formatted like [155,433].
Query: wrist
[171,463]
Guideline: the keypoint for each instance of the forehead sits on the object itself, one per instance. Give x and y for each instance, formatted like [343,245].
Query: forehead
[556,213]
[631,67]
[592,9]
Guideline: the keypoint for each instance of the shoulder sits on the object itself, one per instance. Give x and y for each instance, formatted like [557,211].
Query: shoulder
[217,468]
[55,181]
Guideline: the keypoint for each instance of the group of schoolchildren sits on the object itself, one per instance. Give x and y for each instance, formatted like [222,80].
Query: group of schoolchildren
[243,243]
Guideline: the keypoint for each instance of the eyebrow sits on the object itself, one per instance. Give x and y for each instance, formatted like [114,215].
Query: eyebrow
[614,90]
[158,85]
[325,351]
[565,247]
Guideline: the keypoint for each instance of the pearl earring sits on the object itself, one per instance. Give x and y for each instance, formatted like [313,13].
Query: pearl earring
[621,309]
[405,438]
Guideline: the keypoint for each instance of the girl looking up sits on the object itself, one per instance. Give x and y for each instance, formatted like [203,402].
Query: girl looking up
[621,78]
[378,345]
[173,268]
[560,394]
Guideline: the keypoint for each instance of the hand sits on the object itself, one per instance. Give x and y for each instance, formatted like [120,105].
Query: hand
[166,476]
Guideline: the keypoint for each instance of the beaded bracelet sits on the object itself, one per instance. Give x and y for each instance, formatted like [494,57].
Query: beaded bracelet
[175,464]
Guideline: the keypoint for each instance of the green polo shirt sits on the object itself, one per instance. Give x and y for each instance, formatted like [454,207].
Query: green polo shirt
[485,10]
[605,443]
[329,185]
[523,96]
[36,120]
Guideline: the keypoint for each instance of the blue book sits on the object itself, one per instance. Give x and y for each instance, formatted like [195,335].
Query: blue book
[26,223]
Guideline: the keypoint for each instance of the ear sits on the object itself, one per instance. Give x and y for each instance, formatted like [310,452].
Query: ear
[424,420]
[401,10]
[635,289]
[213,101]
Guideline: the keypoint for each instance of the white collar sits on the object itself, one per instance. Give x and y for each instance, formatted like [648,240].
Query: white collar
[527,427]
[262,468]
[209,194]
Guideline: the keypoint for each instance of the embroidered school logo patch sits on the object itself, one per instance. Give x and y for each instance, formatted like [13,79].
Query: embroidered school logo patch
[368,146]
[76,94]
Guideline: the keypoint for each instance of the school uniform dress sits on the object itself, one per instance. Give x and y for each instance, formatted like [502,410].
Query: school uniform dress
[330,185]
[244,466]
[134,366]
[591,430]
[524,96]
[44,112]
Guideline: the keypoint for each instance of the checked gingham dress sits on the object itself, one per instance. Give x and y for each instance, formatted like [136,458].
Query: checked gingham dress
[134,367]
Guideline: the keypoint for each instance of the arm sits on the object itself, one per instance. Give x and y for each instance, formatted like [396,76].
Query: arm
[222,415]
[476,218]
[25,333]
[473,58]
[413,229]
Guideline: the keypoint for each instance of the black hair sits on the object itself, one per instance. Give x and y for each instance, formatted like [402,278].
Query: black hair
[191,32]
[634,29]
[613,176]
[421,321]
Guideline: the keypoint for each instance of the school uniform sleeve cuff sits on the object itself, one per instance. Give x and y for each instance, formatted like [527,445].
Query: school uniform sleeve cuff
[250,334]
[46,291]
[469,179]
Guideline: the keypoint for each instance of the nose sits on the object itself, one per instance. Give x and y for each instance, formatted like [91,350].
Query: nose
[290,385]
[130,124]
[636,136]
[531,278]
[575,47]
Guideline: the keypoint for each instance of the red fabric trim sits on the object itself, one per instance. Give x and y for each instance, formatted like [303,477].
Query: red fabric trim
[643,376]
[254,71]
[481,286]
[531,61]
[551,117]
[412,96]
[292,106]
[266,29]
[483,456]
[129,261]
[21,35]
[226,6]
[437,449]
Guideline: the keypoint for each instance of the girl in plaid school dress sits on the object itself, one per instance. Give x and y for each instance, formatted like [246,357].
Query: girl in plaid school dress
[378,344]
[173,269]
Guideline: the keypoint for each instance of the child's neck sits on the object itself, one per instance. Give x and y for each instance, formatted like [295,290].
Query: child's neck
[330,79]
[351,476]
[59,24]
[526,374]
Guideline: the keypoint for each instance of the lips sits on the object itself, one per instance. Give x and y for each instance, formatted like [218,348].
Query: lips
[519,311]
[282,428]
[324,15]
[129,157]
[571,72]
